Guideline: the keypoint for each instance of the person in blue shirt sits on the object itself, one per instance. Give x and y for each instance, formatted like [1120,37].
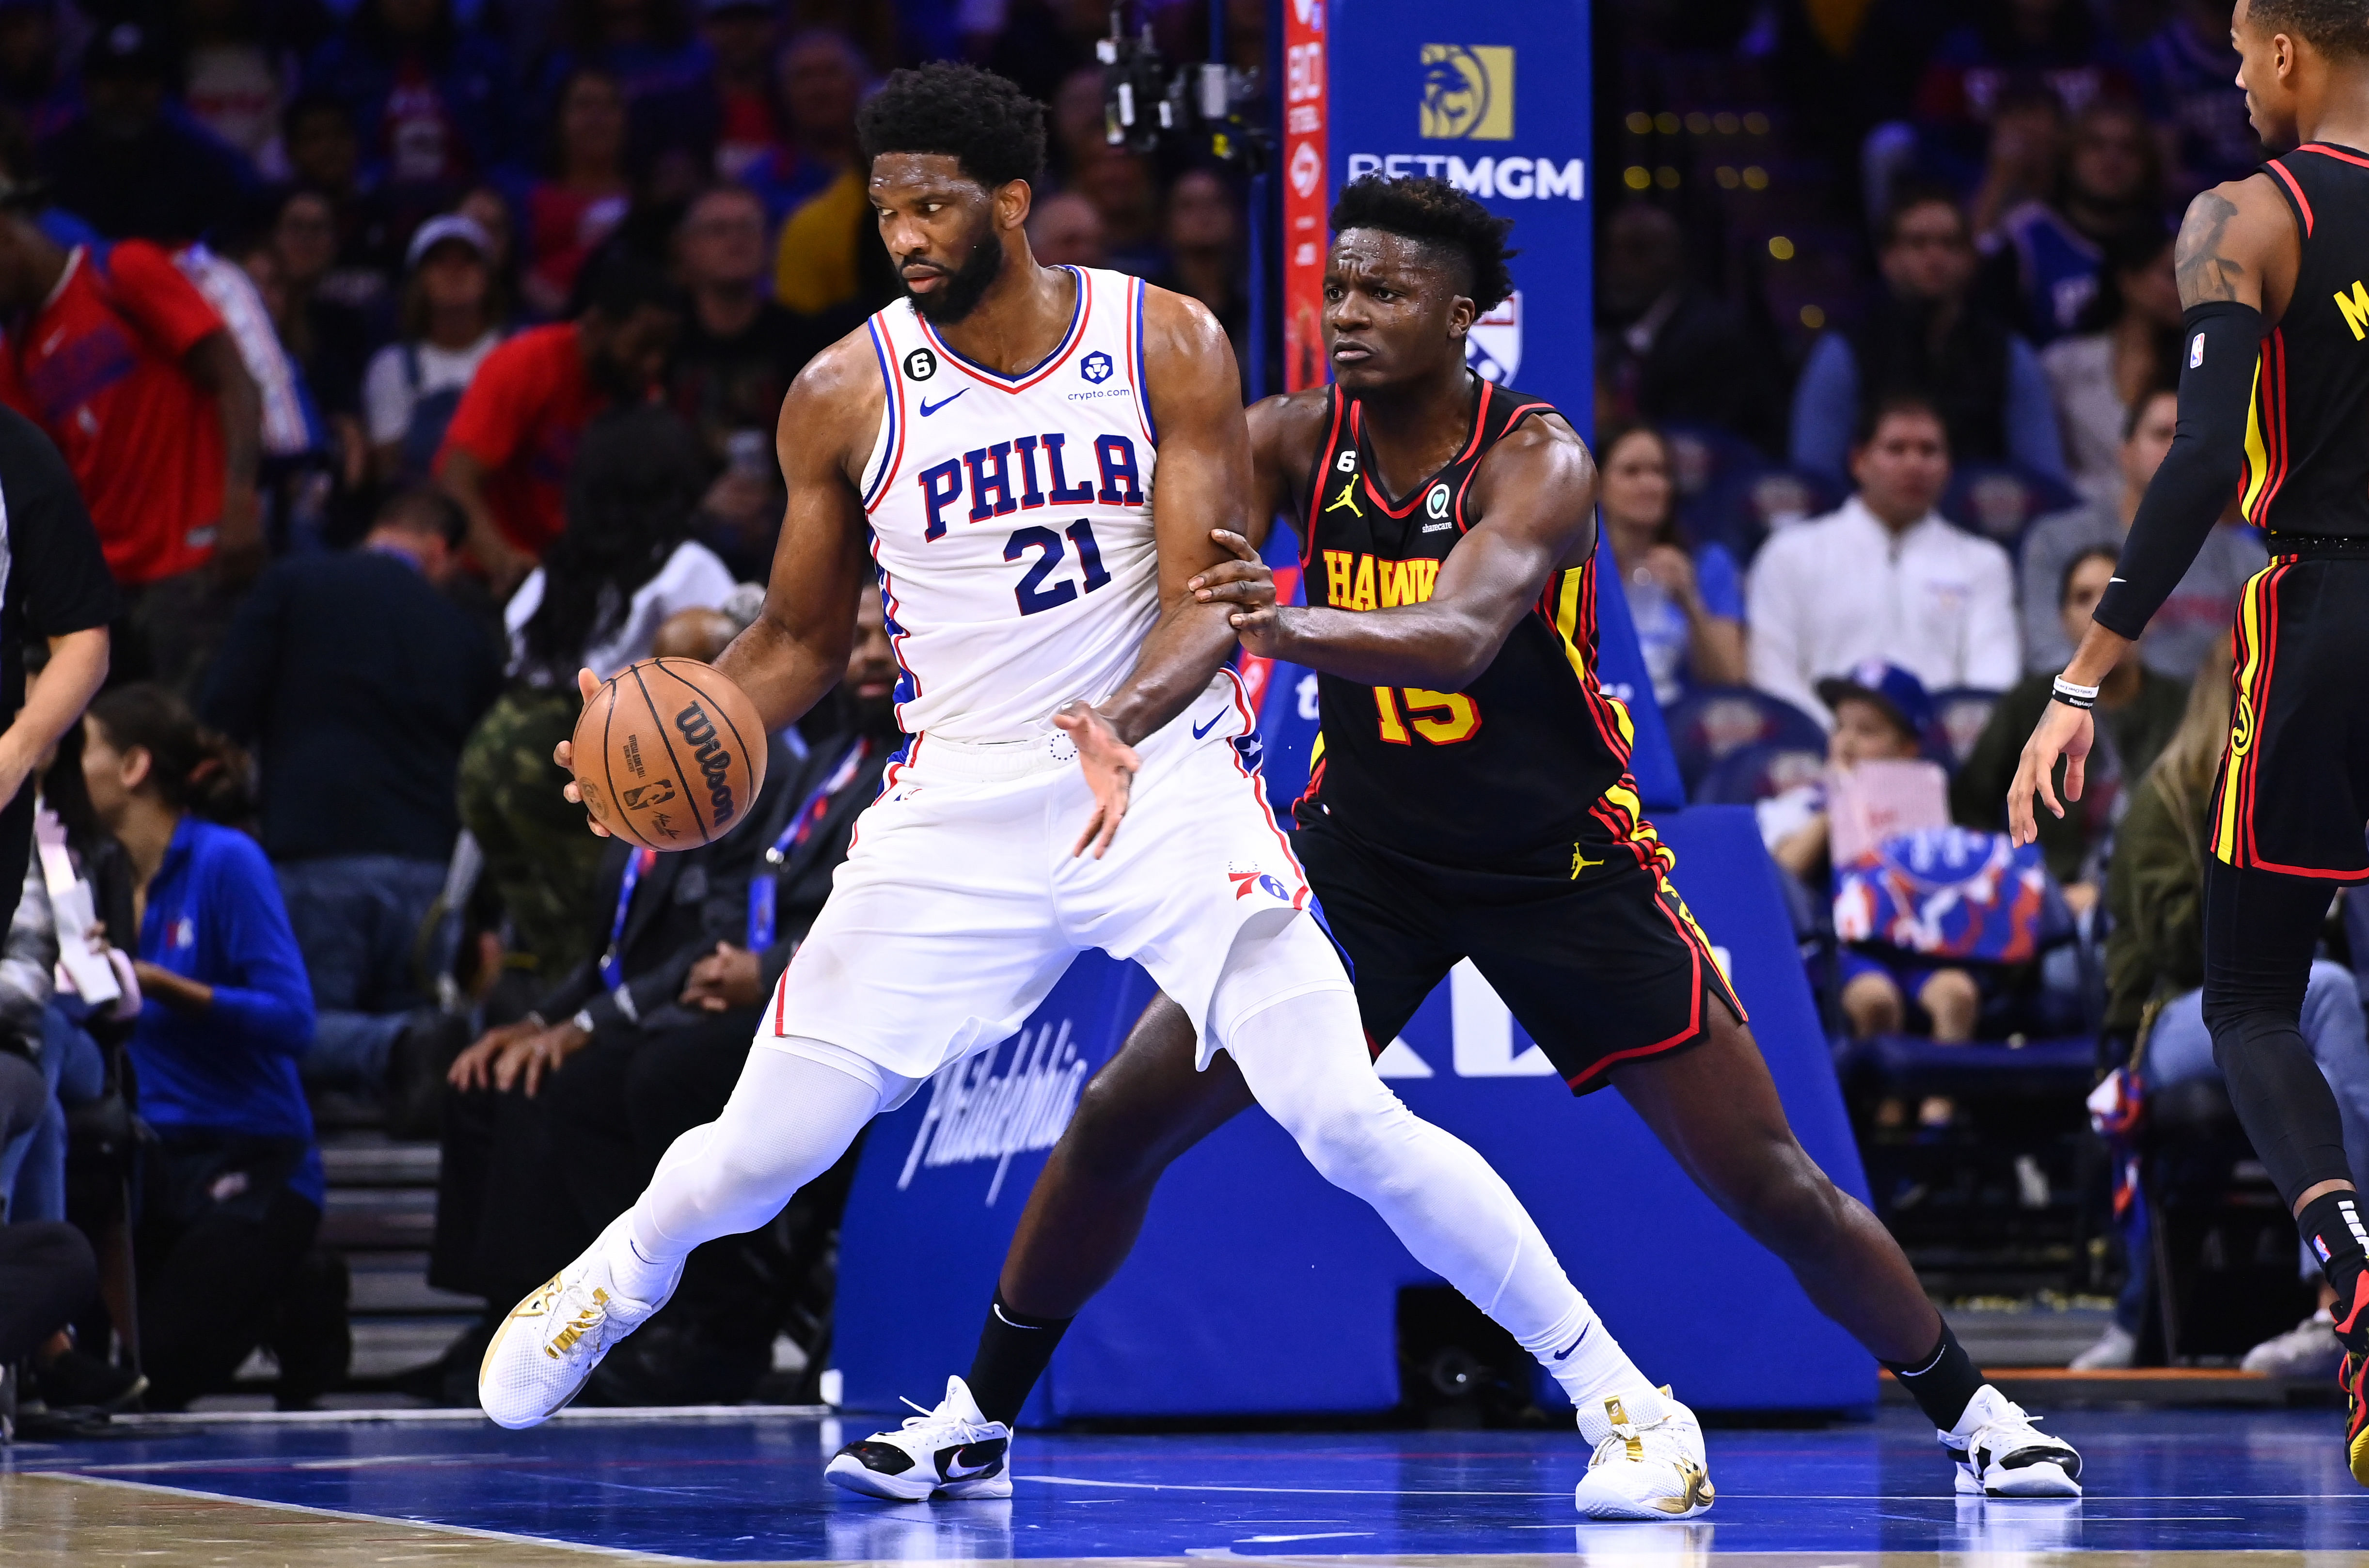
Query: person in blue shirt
[230,1202]
[1688,606]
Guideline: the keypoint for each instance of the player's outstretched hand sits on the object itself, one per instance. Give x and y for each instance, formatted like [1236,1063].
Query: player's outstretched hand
[565,752]
[1110,765]
[2063,731]
[1246,583]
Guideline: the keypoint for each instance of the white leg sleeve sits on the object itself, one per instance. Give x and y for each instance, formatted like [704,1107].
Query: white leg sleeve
[1304,1056]
[788,1121]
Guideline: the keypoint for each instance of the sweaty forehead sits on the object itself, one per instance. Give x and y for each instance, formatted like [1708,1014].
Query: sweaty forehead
[1378,255]
[920,174]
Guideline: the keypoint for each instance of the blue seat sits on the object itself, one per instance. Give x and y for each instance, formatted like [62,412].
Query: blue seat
[1910,1064]
[2000,500]
[1712,723]
[1960,714]
[1758,773]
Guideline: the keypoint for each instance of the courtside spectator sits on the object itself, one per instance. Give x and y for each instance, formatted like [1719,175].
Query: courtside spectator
[2052,252]
[820,78]
[1687,608]
[2196,616]
[623,565]
[2137,712]
[828,251]
[2187,78]
[1120,185]
[454,316]
[648,49]
[123,363]
[740,36]
[1927,336]
[130,163]
[56,588]
[232,1193]
[235,77]
[356,680]
[328,334]
[586,193]
[510,448]
[433,94]
[2098,375]
[1885,578]
[1202,232]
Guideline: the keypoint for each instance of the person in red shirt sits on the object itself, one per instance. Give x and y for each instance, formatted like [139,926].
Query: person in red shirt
[508,450]
[123,363]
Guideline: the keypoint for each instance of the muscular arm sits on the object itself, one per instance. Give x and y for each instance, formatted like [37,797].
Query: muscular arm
[1204,483]
[796,648]
[2235,260]
[1285,431]
[1536,496]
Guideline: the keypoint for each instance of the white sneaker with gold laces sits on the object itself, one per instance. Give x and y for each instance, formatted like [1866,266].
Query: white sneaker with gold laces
[548,1347]
[1649,1458]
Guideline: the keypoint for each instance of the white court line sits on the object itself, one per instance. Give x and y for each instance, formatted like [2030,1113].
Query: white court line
[2218,1497]
[382,1521]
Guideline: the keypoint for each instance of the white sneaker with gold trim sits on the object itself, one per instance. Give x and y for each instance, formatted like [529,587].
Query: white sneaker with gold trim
[548,1347]
[1649,1458]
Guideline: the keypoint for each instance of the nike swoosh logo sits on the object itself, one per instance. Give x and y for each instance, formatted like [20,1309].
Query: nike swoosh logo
[1201,729]
[1572,1347]
[988,1455]
[929,407]
[2110,582]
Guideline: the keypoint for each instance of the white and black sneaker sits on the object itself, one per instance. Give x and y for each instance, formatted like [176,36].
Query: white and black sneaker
[2001,1454]
[952,1452]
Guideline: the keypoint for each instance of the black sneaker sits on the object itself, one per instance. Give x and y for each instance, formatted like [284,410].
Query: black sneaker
[71,1380]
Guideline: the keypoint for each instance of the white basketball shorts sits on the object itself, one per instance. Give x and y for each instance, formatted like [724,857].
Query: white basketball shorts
[960,903]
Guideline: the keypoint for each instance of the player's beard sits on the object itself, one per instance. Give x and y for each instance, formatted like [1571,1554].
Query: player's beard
[965,287]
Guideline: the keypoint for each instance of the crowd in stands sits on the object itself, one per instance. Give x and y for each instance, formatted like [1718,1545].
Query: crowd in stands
[409,356]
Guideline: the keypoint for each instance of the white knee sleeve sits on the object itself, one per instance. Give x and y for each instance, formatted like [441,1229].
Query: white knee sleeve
[788,1121]
[1272,965]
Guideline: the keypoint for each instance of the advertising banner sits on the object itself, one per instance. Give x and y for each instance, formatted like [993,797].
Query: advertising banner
[1307,195]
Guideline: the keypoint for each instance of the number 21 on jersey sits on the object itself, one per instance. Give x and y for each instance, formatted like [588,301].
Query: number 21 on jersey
[1442,719]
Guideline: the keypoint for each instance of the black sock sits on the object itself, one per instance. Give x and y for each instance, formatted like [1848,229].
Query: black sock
[1942,1384]
[2331,1224]
[1013,1351]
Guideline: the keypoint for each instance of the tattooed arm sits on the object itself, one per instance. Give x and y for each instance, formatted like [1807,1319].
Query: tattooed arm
[2236,259]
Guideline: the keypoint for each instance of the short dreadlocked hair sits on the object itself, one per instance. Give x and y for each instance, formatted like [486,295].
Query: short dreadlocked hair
[1436,213]
[985,123]
[2332,27]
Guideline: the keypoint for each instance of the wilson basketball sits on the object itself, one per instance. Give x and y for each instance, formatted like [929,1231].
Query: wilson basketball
[670,754]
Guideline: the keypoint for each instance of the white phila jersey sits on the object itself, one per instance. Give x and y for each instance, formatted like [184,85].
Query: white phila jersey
[1011,518]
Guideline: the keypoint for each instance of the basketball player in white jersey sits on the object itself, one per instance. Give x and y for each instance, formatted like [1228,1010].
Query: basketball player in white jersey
[1080,773]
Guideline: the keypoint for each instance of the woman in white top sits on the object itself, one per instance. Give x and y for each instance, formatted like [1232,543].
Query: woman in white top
[453,314]
[626,561]
[2132,348]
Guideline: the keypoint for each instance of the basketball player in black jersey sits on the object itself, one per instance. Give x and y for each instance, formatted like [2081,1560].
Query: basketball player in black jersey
[1473,798]
[2275,393]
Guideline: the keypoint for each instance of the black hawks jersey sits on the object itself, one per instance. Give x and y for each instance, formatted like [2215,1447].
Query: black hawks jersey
[1532,756]
[2307,430]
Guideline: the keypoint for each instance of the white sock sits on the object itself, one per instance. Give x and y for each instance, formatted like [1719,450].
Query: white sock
[1305,1059]
[1591,1366]
[789,1119]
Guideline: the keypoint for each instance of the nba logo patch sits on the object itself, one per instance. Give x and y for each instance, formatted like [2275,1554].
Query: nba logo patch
[2321,1247]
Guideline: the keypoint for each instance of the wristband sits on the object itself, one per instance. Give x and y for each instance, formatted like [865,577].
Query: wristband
[2074,696]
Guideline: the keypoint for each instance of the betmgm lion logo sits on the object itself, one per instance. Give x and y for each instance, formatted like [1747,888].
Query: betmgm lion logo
[1468,92]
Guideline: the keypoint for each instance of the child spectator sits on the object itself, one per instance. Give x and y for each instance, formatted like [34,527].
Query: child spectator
[1688,609]
[510,448]
[2137,712]
[454,316]
[232,1195]
[1885,578]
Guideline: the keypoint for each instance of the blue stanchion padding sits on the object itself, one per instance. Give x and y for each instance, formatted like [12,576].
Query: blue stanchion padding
[1258,1289]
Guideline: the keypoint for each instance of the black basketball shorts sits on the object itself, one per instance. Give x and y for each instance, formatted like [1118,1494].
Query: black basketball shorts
[2292,795]
[1589,946]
